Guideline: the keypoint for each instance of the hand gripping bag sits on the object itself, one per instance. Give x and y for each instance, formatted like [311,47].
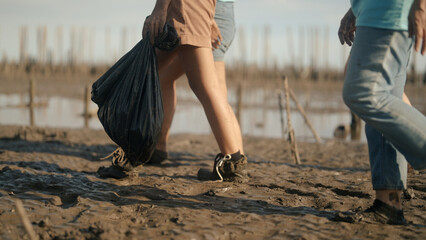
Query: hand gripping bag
[129,98]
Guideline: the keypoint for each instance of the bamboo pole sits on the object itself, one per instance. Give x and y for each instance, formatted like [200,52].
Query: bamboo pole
[302,111]
[24,219]
[292,137]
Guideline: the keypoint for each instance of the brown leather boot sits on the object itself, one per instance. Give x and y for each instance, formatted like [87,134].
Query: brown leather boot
[226,169]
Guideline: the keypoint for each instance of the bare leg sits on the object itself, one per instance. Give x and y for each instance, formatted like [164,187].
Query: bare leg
[199,67]
[168,74]
[405,99]
[221,73]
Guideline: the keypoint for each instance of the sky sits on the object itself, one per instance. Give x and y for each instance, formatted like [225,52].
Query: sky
[122,21]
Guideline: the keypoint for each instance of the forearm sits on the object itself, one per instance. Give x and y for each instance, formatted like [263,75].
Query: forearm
[422,4]
[161,5]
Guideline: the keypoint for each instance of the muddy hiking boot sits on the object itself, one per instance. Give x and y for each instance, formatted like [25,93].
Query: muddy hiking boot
[120,165]
[383,213]
[379,212]
[226,169]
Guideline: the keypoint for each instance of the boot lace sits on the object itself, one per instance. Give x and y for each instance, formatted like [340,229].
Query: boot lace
[118,157]
[219,160]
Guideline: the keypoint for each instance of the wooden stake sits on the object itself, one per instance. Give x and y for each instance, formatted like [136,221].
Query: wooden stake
[86,106]
[290,46]
[108,51]
[280,103]
[302,47]
[326,51]
[266,47]
[124,40]
[254,57]
[25,221]
[292,137]
[355,127]
[239,102]
[302,111]
[73,43]
[243,50]
[59,45]
[23,46]
[32,103]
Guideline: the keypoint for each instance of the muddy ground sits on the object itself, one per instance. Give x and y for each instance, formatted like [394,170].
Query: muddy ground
[54,172]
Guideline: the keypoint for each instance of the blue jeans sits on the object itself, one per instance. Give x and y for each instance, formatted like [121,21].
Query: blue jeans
[373,89]
[224,17]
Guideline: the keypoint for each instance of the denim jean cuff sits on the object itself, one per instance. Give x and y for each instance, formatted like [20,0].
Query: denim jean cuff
[389,187]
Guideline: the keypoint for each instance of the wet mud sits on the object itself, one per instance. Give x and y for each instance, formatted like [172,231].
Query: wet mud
[54,172]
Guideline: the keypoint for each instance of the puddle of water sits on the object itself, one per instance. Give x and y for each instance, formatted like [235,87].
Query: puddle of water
[261,119]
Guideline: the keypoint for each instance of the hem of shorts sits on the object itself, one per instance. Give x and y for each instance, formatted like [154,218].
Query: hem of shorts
[196,41]
[218,59]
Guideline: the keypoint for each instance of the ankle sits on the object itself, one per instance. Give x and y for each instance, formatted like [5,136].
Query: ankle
[234,156]
[161,146]
[390,197]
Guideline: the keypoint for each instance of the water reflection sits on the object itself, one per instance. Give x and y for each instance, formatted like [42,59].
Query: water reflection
[260,115]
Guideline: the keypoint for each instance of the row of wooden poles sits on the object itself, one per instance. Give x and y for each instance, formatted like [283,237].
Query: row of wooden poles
[33,104]
[82,42]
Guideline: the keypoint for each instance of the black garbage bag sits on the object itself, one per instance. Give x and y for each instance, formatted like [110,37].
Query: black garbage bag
[129,98]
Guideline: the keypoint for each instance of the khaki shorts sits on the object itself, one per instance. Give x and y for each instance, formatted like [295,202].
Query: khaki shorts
[193,21]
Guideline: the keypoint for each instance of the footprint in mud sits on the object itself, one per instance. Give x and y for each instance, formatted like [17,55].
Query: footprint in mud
[40,134]
[70,200]
[156,194]
[301,193]
[343,192]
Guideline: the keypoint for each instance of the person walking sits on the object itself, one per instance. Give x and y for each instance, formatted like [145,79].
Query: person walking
[197,32]
[382,33]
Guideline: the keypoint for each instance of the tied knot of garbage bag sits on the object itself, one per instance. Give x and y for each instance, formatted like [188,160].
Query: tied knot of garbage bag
[168,39]
[129,98]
